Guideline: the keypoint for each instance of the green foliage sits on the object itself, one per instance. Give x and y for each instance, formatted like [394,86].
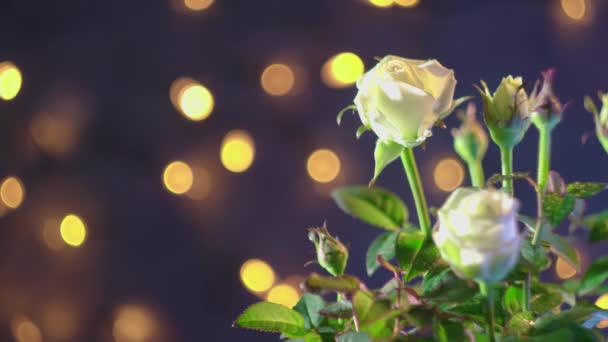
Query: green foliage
[598,226]
[375,206]
[585,189]
[595,276]
[309,307]
[271,317]
[383,245]
[385,153]
[416,253]
[317,283]
[557,207]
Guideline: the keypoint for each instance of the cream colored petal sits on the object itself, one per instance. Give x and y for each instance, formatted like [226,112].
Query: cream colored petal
[438,81]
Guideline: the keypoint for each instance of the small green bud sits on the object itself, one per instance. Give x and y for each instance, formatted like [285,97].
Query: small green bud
[600,117]
[470,140]
[506,112]
[332,255]
[545,108]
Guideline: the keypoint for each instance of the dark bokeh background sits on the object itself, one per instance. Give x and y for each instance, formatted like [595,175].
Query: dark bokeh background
[113,61]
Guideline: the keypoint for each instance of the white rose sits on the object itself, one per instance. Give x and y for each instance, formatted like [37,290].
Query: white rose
[401,99]
[477,233]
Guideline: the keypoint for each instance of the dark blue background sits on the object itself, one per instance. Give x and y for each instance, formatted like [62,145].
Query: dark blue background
[183,257]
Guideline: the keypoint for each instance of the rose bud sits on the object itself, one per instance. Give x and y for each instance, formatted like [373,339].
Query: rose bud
[506,112]
[545,107]
[401,99]
[332,255]
[600,118]
[477,234]
[470,140]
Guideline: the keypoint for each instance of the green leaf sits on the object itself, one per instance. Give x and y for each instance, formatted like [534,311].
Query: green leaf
[537,257]
[416,253]
[385,153]
[598,225]
[344,110]
[345,283]
[271,317]
[445,287]
[353,336]
[544,299]
[595,276]
[513,299]
[384,245]
[590,105]
[362,129]
[585,189]
[578,315]
[309,306]
[448,331]
[520,323]
[375,206]
[557,207]
[497,178]
[562,248]
[341,309]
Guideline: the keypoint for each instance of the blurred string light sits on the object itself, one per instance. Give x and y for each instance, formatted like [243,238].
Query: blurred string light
[602,302]
[201,184]
[406,3]
[381,3]
[342,70]
[238,151]
[178,177]
[73,231]
[283,294]
[390,3]
[51,234]
[563,269]
[55,134]
[323,166]
[198,5]
[134,324]
[448,174]
[10,81]
[59,322]
[191,99]
[574,9]
[257,275]
[277,79]
[25,330]
[12,192]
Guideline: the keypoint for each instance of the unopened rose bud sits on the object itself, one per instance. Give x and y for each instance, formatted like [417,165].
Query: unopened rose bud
[470,140]
[545,107]
[401,99]
[477,234]
[600,117]
[506,112]
[332,255]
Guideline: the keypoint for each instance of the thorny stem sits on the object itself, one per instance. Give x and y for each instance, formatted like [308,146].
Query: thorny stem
[413,178]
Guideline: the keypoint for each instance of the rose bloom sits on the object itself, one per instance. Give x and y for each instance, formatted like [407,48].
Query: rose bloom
[401,99]
[477,233]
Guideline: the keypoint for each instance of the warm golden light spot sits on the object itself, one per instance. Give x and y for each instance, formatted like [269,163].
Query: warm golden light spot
[73,231]
[277,79]
[55,134]
[238,151]
[134,324]
[12,192]
[178,177]
[59,322]
[574,9]
[323,165]
[10,81]
[563,269]
[407,3]
[381,3]
[342,70]
[283,294]
[51,234]
[192,99]
[198,5]
[448,174]
[25,330]
[201,187]
[257,275]
[602,302]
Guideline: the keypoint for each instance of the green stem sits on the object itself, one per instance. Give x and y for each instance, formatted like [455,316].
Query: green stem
[413,178]
[478,178]
[544,156]
[506,158]
[486,291]
[527,293]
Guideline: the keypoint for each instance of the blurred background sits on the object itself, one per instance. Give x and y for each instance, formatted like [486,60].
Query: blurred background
[161,160]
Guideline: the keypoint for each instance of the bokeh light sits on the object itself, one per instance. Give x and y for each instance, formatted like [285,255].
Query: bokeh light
[323,165]
[51,234]
[448,174]
[24,330]
[381,3]
[198,5]
[277,79]
[59,322]
[12,192]
[257,275]
[178,177]
[201,185]
[238,151]
[563,269]
[54,134]
[574,9]
[134,324]
[283,294]
[191,98]
[10,81]
[407,3]
[342,70]
[73,231]
[602,302]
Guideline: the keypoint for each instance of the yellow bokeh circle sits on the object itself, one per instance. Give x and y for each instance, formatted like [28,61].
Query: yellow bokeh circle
[342,70]
[257,275]
[277,79]
[12,192]
[448,174]
[178,177]
[10,81]
[283,294]
[73,231]
[323,165]
[238,151]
